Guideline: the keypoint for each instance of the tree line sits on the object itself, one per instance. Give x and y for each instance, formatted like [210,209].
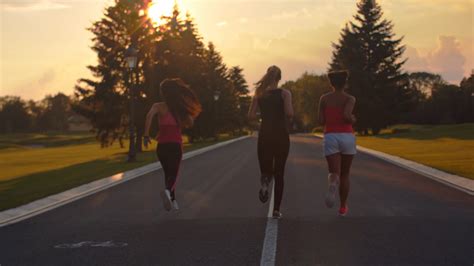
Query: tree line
[385,94]
[434,100]
[49,114]
[172,49]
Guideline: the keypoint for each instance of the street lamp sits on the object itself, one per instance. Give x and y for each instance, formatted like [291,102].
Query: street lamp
[217,95]
[132,59]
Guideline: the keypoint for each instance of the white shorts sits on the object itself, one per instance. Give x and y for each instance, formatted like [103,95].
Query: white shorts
[344,143]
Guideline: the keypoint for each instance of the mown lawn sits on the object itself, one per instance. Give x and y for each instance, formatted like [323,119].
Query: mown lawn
[35,165]
[446,147]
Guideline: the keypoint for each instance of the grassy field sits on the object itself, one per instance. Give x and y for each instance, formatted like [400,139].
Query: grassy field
[37,165]
[446,147]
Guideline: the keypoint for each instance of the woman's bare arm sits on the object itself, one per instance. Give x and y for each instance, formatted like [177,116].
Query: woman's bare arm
[321,119]
[348,109]
[288,104]
[253,109]
[149,118]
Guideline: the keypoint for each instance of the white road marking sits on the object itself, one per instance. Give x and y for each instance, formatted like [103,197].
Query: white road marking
[95,244]
[271,235]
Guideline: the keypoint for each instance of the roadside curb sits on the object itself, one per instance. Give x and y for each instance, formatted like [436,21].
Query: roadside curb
[460,183]
[37,207]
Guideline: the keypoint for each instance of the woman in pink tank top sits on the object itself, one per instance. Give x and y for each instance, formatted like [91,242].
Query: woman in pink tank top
[335,113]
[179,109]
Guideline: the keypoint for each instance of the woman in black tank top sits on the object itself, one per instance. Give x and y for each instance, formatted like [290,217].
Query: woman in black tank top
[273,138]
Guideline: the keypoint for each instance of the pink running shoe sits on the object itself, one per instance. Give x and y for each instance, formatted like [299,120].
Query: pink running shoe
[343,211]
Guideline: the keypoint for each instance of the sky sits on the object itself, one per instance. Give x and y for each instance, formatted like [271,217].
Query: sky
[45,45]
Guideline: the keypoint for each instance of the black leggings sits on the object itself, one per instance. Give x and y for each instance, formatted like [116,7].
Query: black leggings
[272,154]
[170,155]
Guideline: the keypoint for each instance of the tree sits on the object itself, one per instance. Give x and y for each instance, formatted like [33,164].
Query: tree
[240,91]
[14,115]
[306,91]
[216,112]
[368,50]
[103,100]
[467,87]
[425,82]
[54,114]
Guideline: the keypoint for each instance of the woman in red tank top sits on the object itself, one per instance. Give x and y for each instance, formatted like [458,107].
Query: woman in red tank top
[335,113]
[179,109]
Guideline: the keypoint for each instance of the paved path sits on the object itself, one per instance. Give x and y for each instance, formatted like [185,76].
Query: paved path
[396,218]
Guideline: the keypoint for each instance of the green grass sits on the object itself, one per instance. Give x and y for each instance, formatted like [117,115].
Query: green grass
[25,141]
[446,147]
[33,173]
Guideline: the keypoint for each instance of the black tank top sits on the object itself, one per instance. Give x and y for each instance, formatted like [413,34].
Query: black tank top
[272,111]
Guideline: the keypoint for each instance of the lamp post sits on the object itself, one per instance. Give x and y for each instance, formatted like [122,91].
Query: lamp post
[217,95]
[239,118]
[132,59]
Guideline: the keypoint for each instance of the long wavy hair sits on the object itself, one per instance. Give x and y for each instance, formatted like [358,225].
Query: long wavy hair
[273,75]
[182,102]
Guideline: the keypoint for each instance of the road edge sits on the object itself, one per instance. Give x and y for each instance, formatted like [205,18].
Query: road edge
[14,215]
[463,184]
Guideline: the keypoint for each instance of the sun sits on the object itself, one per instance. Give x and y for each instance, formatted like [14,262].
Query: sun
[159,9]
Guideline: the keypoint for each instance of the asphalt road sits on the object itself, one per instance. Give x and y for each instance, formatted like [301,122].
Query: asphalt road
[396,217]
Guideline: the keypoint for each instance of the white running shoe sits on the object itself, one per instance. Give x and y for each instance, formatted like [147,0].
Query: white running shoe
[175,204]
[166,197]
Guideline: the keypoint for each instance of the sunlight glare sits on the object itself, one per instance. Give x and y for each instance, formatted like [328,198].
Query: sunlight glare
[160,8]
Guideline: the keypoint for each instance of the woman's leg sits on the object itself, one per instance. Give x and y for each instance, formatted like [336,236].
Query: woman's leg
[265,160]
[334,167]
[281,155]
[346,162]
[170,155]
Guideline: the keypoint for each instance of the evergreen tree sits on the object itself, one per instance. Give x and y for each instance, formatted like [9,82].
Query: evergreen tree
[239,84]
[373,56]
[218,114]
[104,99]
[240,94]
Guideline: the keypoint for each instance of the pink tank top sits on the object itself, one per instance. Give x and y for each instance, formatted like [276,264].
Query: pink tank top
[335,122]
[169,130]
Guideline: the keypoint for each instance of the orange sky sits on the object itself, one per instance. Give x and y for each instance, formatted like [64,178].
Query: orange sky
[45,47]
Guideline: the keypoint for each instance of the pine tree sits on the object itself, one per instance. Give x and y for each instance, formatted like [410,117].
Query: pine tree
[104,99]
[240,94]
[370,52]
[239,84]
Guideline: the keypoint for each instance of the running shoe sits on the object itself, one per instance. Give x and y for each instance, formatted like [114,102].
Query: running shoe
[277,215]
[175,204]
[343,211]
[166,197]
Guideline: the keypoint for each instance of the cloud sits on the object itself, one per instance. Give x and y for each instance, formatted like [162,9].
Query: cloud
[32,5]
[221,24]
[448,59]
[36,87]
[416,62]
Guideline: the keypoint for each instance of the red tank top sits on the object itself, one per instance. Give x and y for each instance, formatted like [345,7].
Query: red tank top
[169,130]
[335,122]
